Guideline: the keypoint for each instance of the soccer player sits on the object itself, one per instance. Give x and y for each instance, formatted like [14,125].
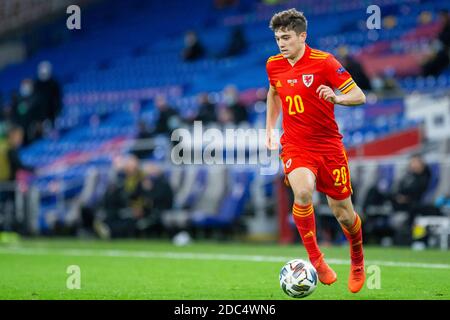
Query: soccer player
[302,82]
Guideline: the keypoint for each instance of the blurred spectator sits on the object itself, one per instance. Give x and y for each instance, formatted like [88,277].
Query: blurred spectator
[193,49]
[389,82]
[225,116]
[158,196]
[408,197]
[437,63]
[48,92]
[25,112]
[413,185]
[207,110]
[411,188]
[134,200]
[6,115]
[439,59]
[10,165]
[237,108]
[28,112]
[354,68]
[168,119]
[11,162]
[9,108]
[141,150]
[444,35]
[122,204]
[386,83]
[237,42]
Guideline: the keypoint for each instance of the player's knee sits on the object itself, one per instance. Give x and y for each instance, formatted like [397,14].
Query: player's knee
[303,196]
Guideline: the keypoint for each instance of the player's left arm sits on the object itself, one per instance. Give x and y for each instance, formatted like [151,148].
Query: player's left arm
[354,97]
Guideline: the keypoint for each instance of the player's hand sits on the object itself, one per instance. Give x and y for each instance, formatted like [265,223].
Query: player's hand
[271,140]
[327,93]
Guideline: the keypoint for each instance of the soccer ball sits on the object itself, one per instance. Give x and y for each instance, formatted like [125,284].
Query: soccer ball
[298,278]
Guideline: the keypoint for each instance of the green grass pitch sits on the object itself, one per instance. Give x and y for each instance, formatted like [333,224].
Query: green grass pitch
[37,269]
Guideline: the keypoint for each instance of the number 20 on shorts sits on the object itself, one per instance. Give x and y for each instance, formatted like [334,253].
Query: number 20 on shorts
[340,176]
[297,102]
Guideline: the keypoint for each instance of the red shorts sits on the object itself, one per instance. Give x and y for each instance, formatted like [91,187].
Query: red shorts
[331,171]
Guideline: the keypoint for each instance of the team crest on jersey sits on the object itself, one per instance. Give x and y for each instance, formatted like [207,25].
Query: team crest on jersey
[308,79]
[288,163]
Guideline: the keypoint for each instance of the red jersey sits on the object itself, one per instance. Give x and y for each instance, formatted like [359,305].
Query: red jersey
[308,121]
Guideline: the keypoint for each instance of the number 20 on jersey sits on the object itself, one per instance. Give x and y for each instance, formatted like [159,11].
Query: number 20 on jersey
[295,104]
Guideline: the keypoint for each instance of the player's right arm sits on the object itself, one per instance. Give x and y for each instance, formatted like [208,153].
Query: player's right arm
[273,112]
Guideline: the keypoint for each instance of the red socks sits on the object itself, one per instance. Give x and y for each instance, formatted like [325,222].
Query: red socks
[306,225]
[305,221]
[354,237]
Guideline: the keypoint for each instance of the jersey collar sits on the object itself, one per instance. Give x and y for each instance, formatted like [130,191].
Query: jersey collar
[303,58]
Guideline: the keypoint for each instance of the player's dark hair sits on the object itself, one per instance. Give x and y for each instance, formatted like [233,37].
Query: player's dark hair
[289,20]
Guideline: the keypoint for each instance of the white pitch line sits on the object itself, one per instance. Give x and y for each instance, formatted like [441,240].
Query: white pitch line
[200,256]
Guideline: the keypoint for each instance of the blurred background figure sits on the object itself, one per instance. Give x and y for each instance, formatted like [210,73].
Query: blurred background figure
[168,119]
[439,58]
[206,110]
[133,202]
[144,133]
[237,43]
[158,197]
[48,92]
[26,113]
[193,48]
[123,204]
[11,148]
[237,109]
[10,166]
[407,196]
[412,186]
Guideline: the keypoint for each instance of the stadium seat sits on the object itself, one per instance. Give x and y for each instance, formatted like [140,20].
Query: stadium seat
[232,205]
[428,197]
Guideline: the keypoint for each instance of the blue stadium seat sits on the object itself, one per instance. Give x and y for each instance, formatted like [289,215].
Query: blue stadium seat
[232,205]
[434,182]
